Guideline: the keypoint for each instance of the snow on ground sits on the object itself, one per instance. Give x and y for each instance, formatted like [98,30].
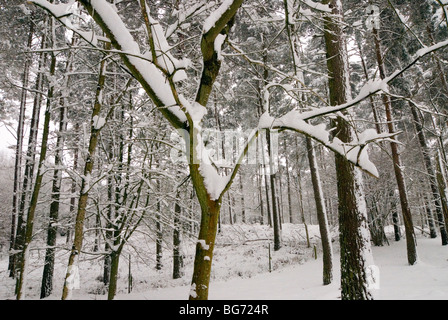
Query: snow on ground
[241,270]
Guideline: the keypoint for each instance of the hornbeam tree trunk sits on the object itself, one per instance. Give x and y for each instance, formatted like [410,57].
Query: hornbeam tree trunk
[354,238]
[72,266]
[411,241]
[205,244]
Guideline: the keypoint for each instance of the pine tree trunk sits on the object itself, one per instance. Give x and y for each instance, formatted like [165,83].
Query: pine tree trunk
[356,256]
[411,241]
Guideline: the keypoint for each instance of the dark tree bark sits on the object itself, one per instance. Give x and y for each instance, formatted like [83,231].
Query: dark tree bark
[353,227]
[18,151]
[321,215]
[37,184]
[433,178]
[411,241]
[72,266]
[177,255]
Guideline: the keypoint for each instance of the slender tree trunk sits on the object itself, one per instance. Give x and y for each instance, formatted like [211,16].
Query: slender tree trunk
[411,241]
[260,194]
[47,277]
[433,179]
[430,218]
[30,158]
[21,284]
[356,256]
[72,266]
[327,250]
[275,212]
[159,234]
[302,211]
[19,150]
[243,206]
[177,256]
[441,180]
[395,217]
[288,182]
[73,188]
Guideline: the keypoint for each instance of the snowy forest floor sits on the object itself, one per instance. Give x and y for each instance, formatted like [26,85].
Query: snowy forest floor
[241,270]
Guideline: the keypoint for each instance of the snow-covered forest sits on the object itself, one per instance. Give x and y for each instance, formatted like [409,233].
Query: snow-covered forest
[228,149]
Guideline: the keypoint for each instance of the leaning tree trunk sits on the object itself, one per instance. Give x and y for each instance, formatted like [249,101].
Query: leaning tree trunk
[321,215]
[356,256]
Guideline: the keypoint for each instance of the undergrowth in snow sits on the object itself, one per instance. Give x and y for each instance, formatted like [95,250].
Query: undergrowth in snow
[241,269]
[241,251]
